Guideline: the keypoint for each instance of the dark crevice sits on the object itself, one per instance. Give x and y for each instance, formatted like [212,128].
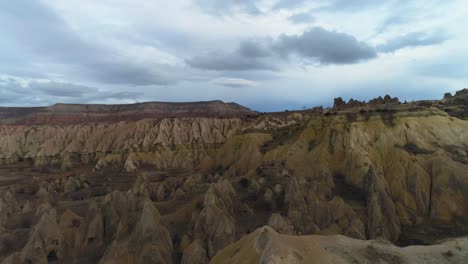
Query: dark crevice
[430,196]
[52,257]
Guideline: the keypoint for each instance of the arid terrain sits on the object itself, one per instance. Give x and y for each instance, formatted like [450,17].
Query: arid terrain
[211,182]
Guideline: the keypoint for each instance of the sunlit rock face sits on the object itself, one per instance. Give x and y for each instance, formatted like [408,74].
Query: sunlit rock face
[266,245]
[201,184]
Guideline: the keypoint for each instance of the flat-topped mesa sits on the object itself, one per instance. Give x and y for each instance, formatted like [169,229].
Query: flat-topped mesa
[339,103]
[85,113]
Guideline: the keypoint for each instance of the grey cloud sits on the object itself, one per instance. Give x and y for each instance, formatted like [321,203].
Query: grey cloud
[253,49]
[349,6]
[46,39]
[403,13]
[252,7]
[392,21]
[326,47]
[126,95]
[413,39]
[46,92]
[12,91]
[38,30]
[7,95]
[288,4]
[317,44]
[302,18]
[121,72]
[235,82]
[4,99]
[225,7]
[234,61]
[61,89]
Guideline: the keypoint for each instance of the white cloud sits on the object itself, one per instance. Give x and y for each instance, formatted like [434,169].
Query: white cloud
[235,82]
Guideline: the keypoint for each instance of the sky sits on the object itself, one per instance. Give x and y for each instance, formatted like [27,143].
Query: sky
[269,55]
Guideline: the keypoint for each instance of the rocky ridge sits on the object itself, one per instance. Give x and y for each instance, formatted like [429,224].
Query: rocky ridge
[265,245]
[66,114]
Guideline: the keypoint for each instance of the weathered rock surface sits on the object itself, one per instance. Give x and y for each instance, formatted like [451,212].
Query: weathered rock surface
[283,226]
[339,103]
[265,245]
[46,242]
[216,223]
[456,105]
[181,189]
[195,253]
[179,143]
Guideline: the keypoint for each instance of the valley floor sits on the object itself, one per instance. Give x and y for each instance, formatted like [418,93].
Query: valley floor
[77,197]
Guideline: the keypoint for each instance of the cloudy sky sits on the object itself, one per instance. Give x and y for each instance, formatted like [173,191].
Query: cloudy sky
[266,54]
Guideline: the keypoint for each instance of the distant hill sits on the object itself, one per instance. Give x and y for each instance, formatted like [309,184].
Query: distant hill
[82,113]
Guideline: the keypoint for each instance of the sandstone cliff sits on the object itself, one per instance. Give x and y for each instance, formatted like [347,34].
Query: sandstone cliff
[175,142]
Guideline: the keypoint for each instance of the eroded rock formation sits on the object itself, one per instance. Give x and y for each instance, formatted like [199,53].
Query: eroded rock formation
[339,103]
[265,245]
[185,189]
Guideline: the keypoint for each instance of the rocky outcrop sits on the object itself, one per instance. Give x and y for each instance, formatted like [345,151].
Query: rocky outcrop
[460,98]
[46,242]
[310,214]
[133,225]
[179,143]
[216,223]
[283,226]
[339,103]
[386,100]
[456,105]
[265,245]
[147,242]
[195,253]
[90,237]
[8,206]
[383,223]
[70,224]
